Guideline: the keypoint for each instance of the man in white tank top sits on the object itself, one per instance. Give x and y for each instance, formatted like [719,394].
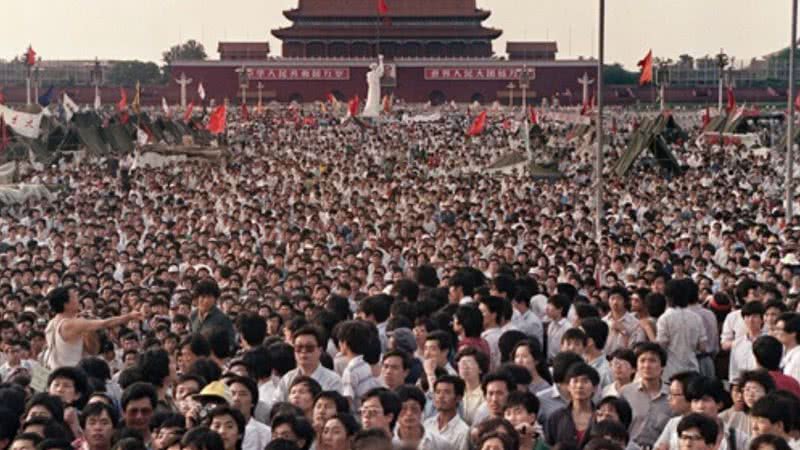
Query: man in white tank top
[66,332]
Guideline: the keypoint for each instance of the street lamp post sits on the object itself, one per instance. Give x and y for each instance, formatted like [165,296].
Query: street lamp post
[244,80]
[524,80]
[97,78]
[36,81]
[790,122]
[663,81]
[260,86]
[598,157]
[722,61]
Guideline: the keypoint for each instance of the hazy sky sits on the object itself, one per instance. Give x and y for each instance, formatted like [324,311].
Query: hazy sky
[142,29]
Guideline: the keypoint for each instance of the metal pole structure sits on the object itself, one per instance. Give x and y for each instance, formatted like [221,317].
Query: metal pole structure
[510,88]
[28,87]
[36,83]
[790,122]
[721,67]
[524,80]
[598,161]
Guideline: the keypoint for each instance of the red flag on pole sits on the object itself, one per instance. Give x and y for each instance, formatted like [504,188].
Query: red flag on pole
[30,57]
[216,122]
[245,113]
[188,113]
[706,117]
[122,104]
[478,125]
[352,107]
[533,117]
[731,100]
[646,64]
[383,11]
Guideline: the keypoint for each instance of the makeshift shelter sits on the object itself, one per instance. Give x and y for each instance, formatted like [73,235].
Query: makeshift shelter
[656,134]
[519,161]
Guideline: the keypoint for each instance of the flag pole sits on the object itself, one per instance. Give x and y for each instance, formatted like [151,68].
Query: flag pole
[28,87]
[790,122]
[598,162]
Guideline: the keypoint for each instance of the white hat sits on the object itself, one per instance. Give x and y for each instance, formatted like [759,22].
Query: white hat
[199,267]
[790,260]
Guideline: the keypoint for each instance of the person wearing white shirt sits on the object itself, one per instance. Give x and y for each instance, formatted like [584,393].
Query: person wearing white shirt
[307,351]
[733,326]
[788,332]
[448,391]
[492,310]
[764,413]
[524,318]
[244,397]
[410,432]
[624,329]
[557,308]
[596,334]
[742,358]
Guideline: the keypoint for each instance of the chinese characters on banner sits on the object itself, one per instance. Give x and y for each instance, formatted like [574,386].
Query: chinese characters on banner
[299,74]
[472,73]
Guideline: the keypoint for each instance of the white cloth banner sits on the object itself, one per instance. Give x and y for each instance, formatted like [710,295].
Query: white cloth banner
[422,118]
[70,107]
[573,118]
[24,124]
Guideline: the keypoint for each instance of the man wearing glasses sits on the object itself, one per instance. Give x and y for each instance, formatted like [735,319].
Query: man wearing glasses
[308,347]
[380,408]
[697,432]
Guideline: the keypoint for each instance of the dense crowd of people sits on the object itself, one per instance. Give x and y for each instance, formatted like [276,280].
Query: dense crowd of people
[335,285]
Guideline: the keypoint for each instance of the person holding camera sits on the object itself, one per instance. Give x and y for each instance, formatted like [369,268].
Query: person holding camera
[521,409]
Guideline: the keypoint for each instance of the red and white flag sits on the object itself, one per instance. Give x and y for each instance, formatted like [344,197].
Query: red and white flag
[24,124]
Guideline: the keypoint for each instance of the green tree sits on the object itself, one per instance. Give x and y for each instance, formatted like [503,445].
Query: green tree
[191,50]
[127,73]
[616,74]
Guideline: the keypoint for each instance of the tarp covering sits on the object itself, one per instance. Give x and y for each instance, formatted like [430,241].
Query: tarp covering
[7,172]
[153,156]
[13,194]
[118,136]
[654,133]
[95,143]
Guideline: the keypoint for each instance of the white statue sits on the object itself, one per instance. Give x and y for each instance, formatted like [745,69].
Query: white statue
[373,106]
